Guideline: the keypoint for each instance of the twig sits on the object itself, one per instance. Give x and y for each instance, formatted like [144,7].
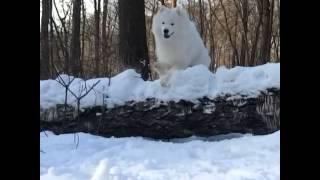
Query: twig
[64,84]
[45,133]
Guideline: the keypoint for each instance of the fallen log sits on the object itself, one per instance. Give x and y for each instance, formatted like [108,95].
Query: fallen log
[165,120]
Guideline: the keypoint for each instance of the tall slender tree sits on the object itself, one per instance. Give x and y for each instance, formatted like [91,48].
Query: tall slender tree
[97,12]
[104,34]
[75,39]
[44,40]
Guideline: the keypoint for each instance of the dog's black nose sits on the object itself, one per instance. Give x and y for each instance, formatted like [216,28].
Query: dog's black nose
[166,31]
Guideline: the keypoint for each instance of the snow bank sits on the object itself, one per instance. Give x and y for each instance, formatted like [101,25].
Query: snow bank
[238,157]
[188,84]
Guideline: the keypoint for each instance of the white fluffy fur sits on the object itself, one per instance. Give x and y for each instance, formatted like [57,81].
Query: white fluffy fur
[184,48]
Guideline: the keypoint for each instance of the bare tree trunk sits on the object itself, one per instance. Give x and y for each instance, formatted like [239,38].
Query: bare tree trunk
[257,32]
[162,2]
[51,41]
[65,45]
[83,34]
[75,39]
[97,11]
[211,37]
[228,31]
[266,33]
[278,48]
[44,60]
[58,39]
[270,27]
[244,38]
[104,34]
[201,18]
[67,53]
[235,54]
[111,23]
[174,3]
[133,49]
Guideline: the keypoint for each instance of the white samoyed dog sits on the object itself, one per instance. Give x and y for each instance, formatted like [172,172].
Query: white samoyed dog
[178,43]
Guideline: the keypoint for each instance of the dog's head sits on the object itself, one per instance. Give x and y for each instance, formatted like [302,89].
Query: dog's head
[168,23]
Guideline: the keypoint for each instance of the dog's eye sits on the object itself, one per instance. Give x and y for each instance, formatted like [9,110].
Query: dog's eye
[163,22]
[172,24]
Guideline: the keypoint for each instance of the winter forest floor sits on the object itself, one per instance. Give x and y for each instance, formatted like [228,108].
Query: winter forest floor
[228,157]
[224,157]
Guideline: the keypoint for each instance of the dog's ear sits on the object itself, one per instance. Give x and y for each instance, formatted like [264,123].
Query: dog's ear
[181,11]
[162,8]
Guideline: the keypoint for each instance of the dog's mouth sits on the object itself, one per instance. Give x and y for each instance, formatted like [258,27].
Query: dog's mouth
[168,35]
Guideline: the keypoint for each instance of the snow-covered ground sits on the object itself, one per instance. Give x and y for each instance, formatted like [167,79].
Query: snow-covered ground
[243,157]
[188,84]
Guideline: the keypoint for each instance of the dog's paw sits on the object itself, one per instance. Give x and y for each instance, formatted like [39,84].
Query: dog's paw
[164,83]
[156,66]
[161,68]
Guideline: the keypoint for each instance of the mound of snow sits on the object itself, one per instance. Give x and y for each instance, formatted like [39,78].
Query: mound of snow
[235,158]
[189,84]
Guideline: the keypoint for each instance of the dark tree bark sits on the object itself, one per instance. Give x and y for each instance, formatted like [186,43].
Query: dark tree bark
[97,12]
[271,27]
[151,118]
[44,46]
[75,39]
[174,3]
[162,2]
[244,37]
[254,50]
[278,42]
[133,50]
[59,44]
[212,38]
[83,33]
[65,34]
[227,29]
[52,41]
[235,54]
[104,35]
[201,18]
[266,33]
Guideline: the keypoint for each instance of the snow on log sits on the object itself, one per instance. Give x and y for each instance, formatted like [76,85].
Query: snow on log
[198,102]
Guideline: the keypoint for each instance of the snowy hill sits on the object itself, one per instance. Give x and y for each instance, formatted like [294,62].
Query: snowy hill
[243,157]
[189,84]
